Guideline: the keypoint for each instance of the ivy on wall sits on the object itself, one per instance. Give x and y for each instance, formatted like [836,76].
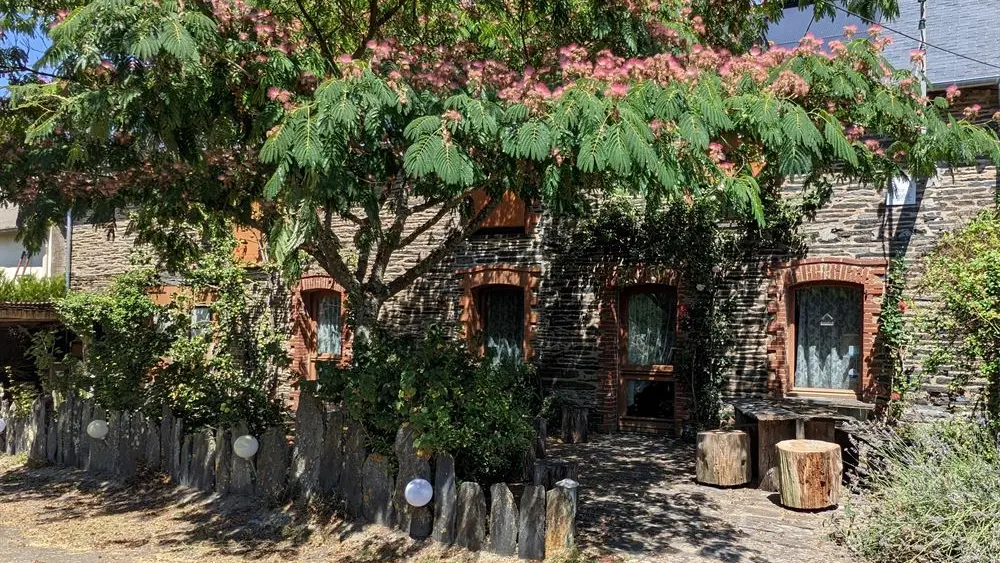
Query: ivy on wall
[141,355]
[704,243]
[894,338]
[963,273]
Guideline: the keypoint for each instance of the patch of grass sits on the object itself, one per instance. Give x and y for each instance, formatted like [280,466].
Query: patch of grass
[932,495]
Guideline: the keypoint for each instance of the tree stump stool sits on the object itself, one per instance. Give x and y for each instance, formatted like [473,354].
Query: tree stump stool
[574,425]
[811,473]
[723,458]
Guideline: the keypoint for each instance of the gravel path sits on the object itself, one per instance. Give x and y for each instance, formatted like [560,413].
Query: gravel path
[639,502]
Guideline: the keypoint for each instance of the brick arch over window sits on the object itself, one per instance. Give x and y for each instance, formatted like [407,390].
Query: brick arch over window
[480,277]
[868,275]
[303,339]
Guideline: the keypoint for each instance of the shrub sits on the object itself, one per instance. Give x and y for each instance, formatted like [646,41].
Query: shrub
[139,355]
[964,274]
[932,494]
[475,409]
[30,288]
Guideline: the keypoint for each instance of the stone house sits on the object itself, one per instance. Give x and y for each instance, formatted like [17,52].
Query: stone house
[806,323]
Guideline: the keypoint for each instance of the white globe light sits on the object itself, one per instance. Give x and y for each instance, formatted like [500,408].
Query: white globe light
[716,269]
[3,424]
[700,287]
[418,492]
[97,429]
[246,446]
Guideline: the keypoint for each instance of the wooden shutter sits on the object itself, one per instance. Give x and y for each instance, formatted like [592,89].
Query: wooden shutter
[511,213]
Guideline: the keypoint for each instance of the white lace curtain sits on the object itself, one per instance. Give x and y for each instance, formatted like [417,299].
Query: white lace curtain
[503,313]
[651,318]
[328,335]
[827,337]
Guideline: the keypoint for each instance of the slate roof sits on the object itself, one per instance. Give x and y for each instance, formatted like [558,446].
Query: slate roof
[967,27]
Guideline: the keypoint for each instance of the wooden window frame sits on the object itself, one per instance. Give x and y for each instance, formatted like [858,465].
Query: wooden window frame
[868,274]
[498,221]
[638,372]
[312,300]
[483,277]
[793,337]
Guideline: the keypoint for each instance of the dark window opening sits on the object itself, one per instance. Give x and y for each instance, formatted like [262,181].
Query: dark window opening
[502,311]
[649,399]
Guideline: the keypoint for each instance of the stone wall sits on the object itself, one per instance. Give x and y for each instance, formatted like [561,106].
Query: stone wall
[857,225]
[575,356]
[98,255]
[326,458]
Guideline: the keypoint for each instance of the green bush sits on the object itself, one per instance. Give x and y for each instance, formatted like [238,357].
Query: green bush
[30,288]
[139,355]
[963,273]
[932,495]
[475,409]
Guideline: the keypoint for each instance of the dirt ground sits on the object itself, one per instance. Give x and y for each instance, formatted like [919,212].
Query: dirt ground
[64,516]
[638,503]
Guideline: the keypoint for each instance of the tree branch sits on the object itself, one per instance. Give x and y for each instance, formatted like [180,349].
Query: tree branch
[327,254]
[375,22]
[389,242]
[324,45]
[446,206]
[449,245]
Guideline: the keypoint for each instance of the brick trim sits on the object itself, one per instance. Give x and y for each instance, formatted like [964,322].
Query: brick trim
[865,274]
[611,343]
[472,279]
[302,341]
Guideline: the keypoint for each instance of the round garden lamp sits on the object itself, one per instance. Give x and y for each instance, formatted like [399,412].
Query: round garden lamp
[97,429]
[3,425]
[418,492]
[246,446]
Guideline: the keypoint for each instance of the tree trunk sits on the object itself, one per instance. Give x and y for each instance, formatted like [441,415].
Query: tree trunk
[811,473]
[723,458]
[574,425]
[364,310]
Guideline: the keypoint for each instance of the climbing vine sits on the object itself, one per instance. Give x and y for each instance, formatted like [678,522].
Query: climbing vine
[894,337]
[141,354]
[963,273]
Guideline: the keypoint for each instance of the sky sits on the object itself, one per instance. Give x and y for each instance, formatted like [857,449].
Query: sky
[35,46]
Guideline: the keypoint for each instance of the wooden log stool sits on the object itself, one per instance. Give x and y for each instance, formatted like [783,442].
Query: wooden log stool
[810,473]
[723,458]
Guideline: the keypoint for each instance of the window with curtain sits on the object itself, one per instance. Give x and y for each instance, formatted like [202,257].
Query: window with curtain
[201,319]
[502,310]
[652,316]
[328,330]
[828,337]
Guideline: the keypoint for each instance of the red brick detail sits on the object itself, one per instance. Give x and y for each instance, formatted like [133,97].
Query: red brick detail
[302,342]
[611,343]
[526,278]
[866,274]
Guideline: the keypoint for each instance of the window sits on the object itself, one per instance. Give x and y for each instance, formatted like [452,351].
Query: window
[201,319]
[649,399]
[502,313]
[902,190]
[651,327]
[828,321]
[329,338]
